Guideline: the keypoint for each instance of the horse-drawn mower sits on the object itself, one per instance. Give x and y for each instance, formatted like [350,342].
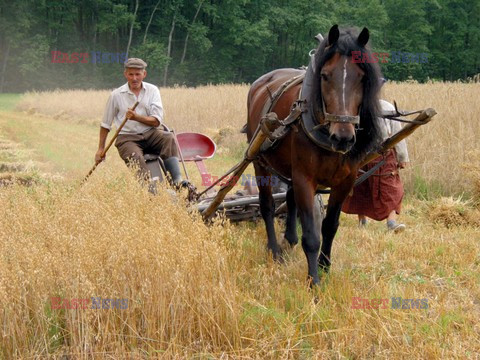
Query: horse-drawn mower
[313,129]
[244,205]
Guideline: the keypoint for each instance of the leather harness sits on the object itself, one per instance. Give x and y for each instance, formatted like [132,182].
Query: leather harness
[317,132]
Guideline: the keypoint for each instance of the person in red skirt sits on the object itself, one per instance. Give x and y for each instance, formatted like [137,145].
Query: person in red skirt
[380,196]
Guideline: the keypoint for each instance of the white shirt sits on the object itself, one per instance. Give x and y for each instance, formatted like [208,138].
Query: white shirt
[122,98]
[390,127]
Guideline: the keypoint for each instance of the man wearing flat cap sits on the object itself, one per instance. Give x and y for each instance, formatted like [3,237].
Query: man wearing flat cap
[142,133]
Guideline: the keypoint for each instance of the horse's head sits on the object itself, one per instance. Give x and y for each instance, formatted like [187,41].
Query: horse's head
[346,89]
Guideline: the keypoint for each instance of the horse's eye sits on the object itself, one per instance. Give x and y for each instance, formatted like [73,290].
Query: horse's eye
[324,77]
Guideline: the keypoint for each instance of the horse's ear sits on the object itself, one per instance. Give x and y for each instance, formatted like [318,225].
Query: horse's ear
[363,37]
[333,35]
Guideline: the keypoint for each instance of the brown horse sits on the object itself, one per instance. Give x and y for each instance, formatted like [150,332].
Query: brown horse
[336,130]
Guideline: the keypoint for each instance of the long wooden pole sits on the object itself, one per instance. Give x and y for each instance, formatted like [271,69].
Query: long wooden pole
[250,154]
[110,143]
[424,117]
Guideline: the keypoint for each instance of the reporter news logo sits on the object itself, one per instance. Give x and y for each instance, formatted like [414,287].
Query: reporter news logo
[97,303]
[397,303]
[208,180]
[95,57]
[394,57]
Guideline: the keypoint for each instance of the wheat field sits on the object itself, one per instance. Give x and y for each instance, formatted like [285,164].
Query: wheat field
[197,291]
[438,151]
[212,292]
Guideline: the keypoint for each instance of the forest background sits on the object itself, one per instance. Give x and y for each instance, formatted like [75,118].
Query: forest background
[196,42]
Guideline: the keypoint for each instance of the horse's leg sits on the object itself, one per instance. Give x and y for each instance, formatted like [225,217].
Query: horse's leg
[304,197]
[291,223]
[267,209]
[330,223]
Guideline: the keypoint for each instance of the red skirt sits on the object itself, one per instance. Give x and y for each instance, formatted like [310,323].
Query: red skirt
[380,194]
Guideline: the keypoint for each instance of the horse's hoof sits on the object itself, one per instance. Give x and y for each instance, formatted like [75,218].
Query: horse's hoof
[279,256]
[276,254]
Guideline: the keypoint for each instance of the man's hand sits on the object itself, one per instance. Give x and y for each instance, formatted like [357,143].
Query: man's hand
[131,115]
[98,156]
[147,120]
[402,165]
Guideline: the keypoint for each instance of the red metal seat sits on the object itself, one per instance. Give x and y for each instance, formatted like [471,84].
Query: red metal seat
[195,146]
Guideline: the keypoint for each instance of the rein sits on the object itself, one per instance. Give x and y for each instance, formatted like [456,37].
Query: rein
[393,115]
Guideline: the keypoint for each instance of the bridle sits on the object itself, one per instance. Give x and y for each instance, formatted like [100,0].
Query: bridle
[334,118]
[344,119]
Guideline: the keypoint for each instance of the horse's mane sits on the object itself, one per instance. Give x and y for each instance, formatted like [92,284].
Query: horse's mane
[368,135]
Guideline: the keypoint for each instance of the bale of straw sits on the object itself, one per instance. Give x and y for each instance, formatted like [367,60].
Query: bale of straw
[452,212]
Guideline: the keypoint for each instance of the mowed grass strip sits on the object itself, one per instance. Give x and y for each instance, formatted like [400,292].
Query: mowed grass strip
[9,101]
[64,148]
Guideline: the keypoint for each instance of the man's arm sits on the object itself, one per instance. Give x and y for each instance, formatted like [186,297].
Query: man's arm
[100,156]
[147,120]
[105,126]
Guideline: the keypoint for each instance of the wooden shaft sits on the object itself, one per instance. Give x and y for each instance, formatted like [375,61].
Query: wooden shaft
[110,143]
[244,200]
[208,212]
[425,116]
[251,152]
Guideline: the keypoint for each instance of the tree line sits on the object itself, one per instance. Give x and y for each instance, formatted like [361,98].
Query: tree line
[48,44]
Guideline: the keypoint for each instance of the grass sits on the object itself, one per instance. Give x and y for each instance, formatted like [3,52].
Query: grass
[440,150]
[9,101]
[197,291]
[59,147]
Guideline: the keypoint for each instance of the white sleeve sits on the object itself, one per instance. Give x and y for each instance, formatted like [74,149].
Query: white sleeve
[155,107]
[401,147]
[109,114]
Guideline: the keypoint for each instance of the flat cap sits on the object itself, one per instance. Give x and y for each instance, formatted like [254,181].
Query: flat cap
[135,63]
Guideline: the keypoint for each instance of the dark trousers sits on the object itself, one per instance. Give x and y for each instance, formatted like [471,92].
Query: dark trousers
[131,147]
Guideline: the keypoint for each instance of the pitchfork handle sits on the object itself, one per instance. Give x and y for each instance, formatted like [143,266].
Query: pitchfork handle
[110,143]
